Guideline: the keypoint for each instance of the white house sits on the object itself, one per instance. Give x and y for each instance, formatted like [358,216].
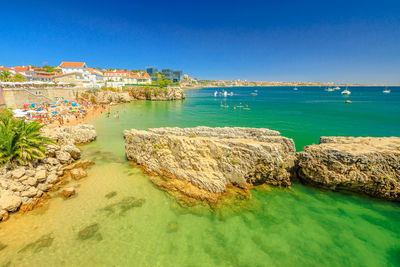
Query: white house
[95,76]
[69,67]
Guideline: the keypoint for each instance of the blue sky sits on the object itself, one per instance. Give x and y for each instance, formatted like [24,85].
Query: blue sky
[341,41]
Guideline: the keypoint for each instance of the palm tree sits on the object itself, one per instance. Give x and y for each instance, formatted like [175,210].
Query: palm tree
[21,142]
[5,76]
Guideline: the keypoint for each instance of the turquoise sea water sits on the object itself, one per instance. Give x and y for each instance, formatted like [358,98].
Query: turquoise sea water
[301,226]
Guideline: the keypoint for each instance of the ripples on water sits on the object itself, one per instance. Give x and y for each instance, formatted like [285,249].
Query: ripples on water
[119,218]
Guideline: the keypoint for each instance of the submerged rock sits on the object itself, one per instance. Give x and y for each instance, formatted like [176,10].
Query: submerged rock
[43,242]
[111,195]
[89,232]
[172,227]
[212,158]
[124,205]
[2,246]
[78,174]
[367,165]
[68,192]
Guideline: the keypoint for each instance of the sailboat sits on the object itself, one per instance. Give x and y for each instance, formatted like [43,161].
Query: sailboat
[346,92]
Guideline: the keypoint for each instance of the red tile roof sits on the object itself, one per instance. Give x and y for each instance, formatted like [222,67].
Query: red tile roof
[94,71]
[18,68]
[73,64]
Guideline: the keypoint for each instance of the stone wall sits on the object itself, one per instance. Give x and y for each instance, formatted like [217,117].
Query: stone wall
[17,97]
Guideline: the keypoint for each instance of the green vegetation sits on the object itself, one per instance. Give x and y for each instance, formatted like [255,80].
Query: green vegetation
[5,76]
[20,142]
[48,68]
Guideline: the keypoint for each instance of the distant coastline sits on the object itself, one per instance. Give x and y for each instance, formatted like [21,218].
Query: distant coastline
[221,84]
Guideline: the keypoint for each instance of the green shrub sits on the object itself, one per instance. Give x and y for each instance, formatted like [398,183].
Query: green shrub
[20,142]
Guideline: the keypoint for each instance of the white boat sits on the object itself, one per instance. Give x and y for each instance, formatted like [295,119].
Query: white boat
[215,93]
[386,91]
[295,89]
[346,92]
[337,88]
[329,89]
[225,93]
[254,93]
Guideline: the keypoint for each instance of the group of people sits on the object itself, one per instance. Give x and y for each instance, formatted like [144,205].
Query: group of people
[61,112]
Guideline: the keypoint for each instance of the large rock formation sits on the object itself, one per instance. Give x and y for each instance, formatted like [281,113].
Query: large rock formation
[365,165]
[209,159]
[107,97]
[157,94]
[69,135]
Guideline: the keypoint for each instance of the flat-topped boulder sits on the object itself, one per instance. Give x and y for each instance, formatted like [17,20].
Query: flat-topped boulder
[367,165]
[213,158]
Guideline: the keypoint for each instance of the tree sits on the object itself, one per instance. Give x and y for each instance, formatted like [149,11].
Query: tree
[5,76]
[48,68]
[20,142]
[19,78]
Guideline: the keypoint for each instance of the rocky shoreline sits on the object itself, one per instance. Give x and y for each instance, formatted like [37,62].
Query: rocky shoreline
[137,93]
[24,187]
[200,163]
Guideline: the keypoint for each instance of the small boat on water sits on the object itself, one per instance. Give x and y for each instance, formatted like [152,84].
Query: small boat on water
[225,93]
[254,94]
[337,88]
[215,93]
[386,91]
[295,89]
[347,101]
[231,94]
[329,89]
[346,92]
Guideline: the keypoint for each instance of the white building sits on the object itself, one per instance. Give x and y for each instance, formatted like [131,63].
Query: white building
[121,77]
[69,67]
[95,76]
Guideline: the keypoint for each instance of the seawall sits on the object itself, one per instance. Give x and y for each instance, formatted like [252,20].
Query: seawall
[17,97]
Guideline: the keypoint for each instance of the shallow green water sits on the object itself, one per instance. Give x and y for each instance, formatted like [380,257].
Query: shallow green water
[298,227]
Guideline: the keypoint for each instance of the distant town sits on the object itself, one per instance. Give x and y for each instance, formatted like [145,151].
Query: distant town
[78,74]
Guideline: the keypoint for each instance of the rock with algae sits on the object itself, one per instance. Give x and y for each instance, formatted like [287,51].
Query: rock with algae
[124,205]
[43,242]
[90,232]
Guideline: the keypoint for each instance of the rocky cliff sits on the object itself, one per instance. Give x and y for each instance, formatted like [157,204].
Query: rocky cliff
[365,165]
[22,187]
[138,93]
[107,97]
[201,162]
[157,94]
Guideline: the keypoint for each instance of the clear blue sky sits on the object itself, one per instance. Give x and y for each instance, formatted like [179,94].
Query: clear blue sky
[335,40]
